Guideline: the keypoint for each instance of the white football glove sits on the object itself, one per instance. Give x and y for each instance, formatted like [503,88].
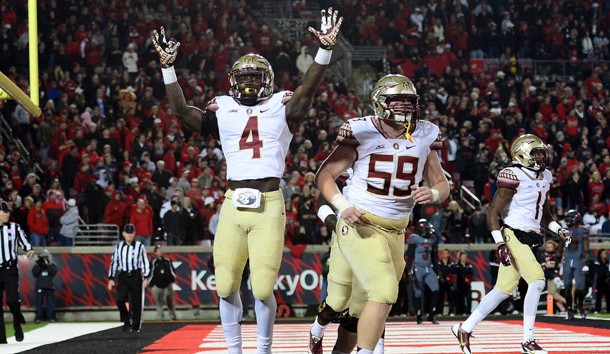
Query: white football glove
[167,49]
[329,28]
[565,235]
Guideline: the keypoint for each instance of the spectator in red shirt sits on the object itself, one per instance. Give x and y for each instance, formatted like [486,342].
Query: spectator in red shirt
[116,211]
[53,209]
[38,223]
[142,217]
[596,186]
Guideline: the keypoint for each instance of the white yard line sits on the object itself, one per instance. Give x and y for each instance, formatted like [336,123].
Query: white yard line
[54,333]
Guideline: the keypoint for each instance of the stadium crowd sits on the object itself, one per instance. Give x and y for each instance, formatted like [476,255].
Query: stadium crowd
[109,139]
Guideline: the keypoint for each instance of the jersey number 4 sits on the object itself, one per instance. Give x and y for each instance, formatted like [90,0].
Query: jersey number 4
[249,138]
[386,176]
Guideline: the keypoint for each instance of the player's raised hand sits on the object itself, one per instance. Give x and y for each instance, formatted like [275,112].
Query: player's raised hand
[167,49]
[566,235]
[329,28]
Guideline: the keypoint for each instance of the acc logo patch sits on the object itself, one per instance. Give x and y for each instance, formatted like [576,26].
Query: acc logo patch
[344,230]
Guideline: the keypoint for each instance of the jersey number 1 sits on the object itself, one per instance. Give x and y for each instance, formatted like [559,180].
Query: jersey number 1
[249,138]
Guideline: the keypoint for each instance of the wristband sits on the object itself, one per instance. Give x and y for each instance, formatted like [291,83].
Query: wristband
[169,75]
[554,226]
[341,204]
[324,211]
[497,235]
[323,56]
[436,195]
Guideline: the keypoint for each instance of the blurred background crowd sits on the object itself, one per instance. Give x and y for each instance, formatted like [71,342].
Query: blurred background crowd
[109,140]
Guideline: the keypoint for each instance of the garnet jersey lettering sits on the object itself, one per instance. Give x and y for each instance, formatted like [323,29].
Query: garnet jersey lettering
[255,139]
[524,212]
[386,168]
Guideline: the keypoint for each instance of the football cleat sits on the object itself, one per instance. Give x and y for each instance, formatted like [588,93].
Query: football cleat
[463,337]
[583,313]
[531,347]
[432,319]
[315,345]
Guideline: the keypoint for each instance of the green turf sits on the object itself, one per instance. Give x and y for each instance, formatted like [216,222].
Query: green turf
[599,315]
[26,328]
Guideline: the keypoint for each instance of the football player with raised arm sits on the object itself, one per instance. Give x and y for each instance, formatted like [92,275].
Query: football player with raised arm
[255,126]
[517,211]
[390,155]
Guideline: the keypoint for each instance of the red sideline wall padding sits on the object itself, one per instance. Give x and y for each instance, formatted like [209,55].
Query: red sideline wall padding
[82,279]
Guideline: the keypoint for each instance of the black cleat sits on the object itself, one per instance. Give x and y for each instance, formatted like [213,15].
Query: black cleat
[126,328]
[432,319]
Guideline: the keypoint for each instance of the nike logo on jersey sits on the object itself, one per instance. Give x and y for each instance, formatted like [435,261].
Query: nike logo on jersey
[408,147]
[264,110]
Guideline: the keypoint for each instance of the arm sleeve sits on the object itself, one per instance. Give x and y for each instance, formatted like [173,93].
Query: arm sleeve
[23,240]
[114,263]
[507,179]
[410,256]
[152,272]
[145,261]
[346,135]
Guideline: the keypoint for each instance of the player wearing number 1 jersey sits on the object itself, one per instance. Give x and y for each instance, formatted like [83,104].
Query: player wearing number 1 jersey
[520,204]
[390,154]
[255,127]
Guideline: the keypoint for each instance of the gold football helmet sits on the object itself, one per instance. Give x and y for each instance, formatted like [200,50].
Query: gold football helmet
[523,150]
[251,78]
[395,87]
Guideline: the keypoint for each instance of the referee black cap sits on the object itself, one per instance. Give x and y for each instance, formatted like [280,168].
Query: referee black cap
[5,207]
[129,228]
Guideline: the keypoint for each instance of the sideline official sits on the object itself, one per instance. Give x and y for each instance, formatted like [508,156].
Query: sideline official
[163,278]
[130,267]
[11,237]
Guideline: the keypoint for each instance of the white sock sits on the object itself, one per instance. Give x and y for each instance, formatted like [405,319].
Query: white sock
[316,329]
[379,346]
[230,316]
[488,304]
[530,307]
[265,318]
[365,351]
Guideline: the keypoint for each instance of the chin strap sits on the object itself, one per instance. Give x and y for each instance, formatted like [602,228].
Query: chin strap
[407,128]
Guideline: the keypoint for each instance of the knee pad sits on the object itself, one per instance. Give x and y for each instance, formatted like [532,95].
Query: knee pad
[327,314]
[350,324]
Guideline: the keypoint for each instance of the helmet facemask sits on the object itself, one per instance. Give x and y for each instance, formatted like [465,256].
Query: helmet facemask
[395,98]
[530,152]
[251,79]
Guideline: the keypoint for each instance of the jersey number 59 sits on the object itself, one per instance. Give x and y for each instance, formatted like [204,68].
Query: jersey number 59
[386,176]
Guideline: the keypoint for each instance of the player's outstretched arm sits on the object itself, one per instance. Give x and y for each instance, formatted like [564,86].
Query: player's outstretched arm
[168,50]
[298,106]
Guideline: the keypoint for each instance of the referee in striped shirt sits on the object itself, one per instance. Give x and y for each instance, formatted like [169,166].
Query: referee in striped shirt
[130,266]
[11,237]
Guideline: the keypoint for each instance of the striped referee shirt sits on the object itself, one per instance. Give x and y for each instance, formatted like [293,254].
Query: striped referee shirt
[129,257]
[11,236]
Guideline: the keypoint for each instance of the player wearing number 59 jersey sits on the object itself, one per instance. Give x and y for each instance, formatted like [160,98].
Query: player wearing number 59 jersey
[255,127]
[390,154]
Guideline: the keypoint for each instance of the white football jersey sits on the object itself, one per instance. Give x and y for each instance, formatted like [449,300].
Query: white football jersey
[386,168]
[524,212]
[255,139]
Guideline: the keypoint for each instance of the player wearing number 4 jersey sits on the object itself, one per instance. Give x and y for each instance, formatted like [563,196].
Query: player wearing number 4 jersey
[520,203]
[255,127]
[390,154]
